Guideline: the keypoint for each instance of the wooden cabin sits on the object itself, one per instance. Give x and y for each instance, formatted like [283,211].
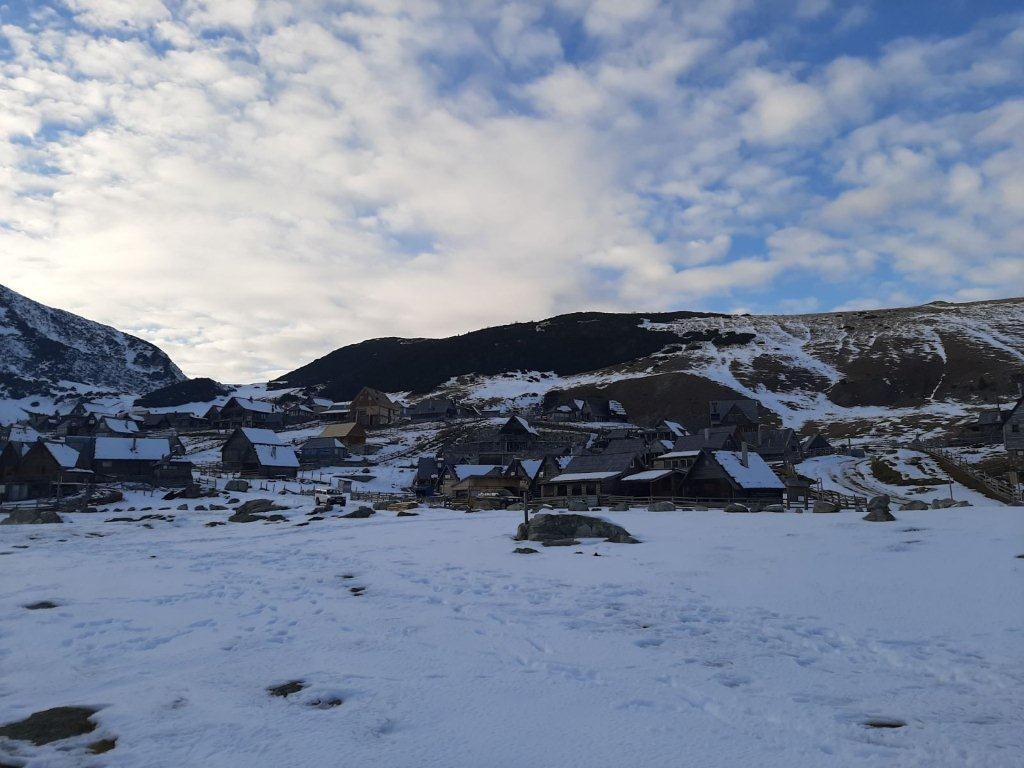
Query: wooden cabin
[372,408]
[741,412]
[323,452]
[470,480]
[733,475]
[247,412]
[350,433]
[260,452]
[129,458]
[1013,431]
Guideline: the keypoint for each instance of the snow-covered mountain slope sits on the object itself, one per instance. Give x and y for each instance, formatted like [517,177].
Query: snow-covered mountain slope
[935,361]
[44,351]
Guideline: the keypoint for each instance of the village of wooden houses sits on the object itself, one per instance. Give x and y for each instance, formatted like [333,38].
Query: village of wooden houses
[380,452]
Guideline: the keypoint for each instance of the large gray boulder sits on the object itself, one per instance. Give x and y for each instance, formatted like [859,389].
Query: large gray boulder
[775,508]
[734,509]
[31,517]
[878,510]
[915,504]
[661,506]
[236,486]
[577,505]
[620,507]
[823,507]
[548,527]
[361,512]
[943,504]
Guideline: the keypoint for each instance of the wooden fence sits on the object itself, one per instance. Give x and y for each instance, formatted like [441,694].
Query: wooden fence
[967,474]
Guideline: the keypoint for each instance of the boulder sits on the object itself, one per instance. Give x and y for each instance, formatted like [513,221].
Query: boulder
[51,725]
[661,506]
[183,506]
[914,505]
[942,503]
[620,507]
[962,503]
[879,515]
[577,505]
[379,506]
[881,501]
[31,517]
[360,513]
[560,542]
[823,507]
[256,507]
[550,527]
[736,508]
[525,551]
[236,486]
[516,507]
[775,508]
[407,513]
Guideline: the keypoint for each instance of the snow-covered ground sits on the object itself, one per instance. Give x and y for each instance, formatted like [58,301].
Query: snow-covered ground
[721,640]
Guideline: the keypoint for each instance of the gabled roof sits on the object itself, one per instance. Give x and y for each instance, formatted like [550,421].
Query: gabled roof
[531,467]
[371,396]
[518,423]
[341,429]
[249,404]
[276,455]
[322,443]
[121,426]
[677,429]
[578,477]
[426,468]
[463,471]
[755,474]
[65,456]
[258,436]
[710,437]
[605,462]
[648,476]
[746,406]
[131,448]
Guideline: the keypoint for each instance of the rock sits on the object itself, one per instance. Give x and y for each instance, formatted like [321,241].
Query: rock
[775,508]
[914,505]
[661,506]
[361,512]
[102,746]
[42,605]
[549,527]
[327,703]
[407,513]
[560,542]
[236,486]
[51,725]
[216,508]
[516,507]
[962,503]
[275,519]
[322,509]
[879,515]
[200,507]
[823,507]
[943,503]
[190,491]
[257,507]
[215,523]
[620,507]
[577,505]
[233,501]
[879,502]
[621,538]
[525,551]
[379,506]
[286,689]
[736,508]
[31,517]
[183,506]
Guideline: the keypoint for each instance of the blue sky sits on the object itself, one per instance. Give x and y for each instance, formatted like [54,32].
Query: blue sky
[252,184]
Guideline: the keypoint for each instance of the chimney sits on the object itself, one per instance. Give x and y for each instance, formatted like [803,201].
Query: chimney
[743,455]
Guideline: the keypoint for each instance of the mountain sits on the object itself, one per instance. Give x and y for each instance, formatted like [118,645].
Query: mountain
[44,351]
[939,358]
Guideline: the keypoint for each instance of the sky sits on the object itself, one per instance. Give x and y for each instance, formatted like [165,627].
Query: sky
[252,184]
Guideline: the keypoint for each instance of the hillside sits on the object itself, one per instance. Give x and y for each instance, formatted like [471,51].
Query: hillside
[45,350]
[938,358]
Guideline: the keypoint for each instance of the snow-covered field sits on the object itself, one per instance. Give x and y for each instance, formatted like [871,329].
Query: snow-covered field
[721,640]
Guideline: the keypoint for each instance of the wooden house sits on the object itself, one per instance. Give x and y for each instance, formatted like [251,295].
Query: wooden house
[531,473]
[437,409]
[259,452]
[590,476]
[985,429]
[173,472]
[1013,431]
[816,445]
[114,427]
[336,412]
[653,483]
[372,408]
[586,409]
[733,475]
[247,412]
[681,460]
[471,480]
[428,476]
[350,433]
[742,412]
[323,452]
[50,468]
[129,458]
[774,445]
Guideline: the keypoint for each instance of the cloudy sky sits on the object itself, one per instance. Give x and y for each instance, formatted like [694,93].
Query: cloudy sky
[251,184]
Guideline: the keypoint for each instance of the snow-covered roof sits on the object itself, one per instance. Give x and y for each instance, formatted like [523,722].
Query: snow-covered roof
[615,407]
[756,473]
[259,406]
[121,426]
[462,471]
[675,428]
[259,436]
[648,476]
[131,448]
[22,434]
[679,455]
[64,455]
[526,425]
[276,455]
[531,466]
[575,477]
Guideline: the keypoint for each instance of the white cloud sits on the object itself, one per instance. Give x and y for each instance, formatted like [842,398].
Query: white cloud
[251,184]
